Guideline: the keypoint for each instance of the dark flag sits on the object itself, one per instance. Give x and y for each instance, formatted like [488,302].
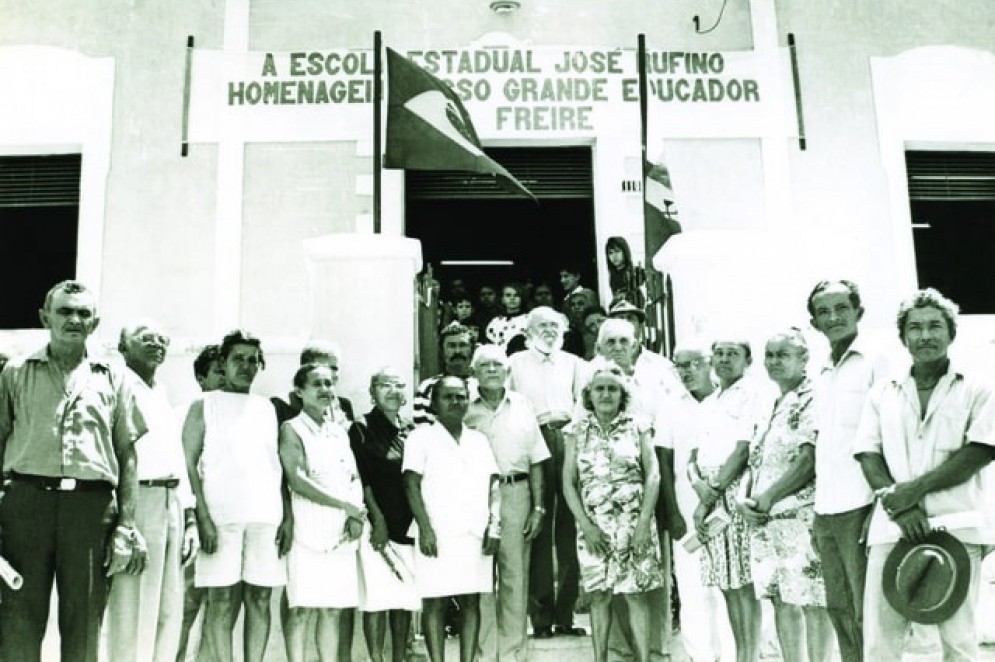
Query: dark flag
[659,210]
[429,129]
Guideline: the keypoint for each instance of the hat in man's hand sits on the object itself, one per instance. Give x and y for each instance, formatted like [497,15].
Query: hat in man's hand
[927,581]
[623,308]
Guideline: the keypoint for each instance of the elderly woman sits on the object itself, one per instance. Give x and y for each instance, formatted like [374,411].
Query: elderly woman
[387,555]
[327,501]
[730,417]
[512,320]
[610,482]
[786,569]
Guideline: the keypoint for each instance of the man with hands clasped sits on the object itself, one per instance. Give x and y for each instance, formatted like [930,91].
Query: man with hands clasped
[923,438]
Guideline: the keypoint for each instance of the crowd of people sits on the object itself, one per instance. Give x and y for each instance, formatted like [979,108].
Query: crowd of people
[525,477]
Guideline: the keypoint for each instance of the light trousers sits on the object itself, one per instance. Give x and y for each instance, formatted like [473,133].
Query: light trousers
[145,612]
[885,630]
[503,629]
[705,631]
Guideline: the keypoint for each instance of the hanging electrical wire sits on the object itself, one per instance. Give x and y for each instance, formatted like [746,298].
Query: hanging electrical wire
[697,20]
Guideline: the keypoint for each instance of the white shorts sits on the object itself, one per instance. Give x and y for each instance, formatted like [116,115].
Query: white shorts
[461,568]
[381,589]
[323,579]
[246,553]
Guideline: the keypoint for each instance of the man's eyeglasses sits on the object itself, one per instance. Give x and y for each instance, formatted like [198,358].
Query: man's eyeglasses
[153,339]
[693,364]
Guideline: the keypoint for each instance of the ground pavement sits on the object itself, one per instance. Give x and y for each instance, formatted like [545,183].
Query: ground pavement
[556,649]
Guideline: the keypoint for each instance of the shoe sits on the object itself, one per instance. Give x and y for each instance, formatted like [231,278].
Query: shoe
[569,631]
[542,633]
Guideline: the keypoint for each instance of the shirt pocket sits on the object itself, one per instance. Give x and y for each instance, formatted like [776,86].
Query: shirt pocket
[951,426]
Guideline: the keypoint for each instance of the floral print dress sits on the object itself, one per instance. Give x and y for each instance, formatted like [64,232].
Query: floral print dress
[785,565]
[610,476]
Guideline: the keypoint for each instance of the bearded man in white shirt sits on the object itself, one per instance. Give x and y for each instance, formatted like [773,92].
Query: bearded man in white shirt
[551,380]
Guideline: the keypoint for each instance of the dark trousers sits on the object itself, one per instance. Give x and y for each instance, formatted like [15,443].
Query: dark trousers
[56,536]
[844,567]
[548,604]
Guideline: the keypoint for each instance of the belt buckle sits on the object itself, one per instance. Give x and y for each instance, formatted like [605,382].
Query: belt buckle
[66,485]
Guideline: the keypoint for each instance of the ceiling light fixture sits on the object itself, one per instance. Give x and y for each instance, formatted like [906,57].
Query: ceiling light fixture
[505,6]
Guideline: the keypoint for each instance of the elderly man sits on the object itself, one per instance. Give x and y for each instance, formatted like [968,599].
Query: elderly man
[652,371]
[456,342]
[144,613]
[843,498]
[506,419]
[551,380]
[229,438]
[450,479]
[923,438]
[704,625]
[68,425]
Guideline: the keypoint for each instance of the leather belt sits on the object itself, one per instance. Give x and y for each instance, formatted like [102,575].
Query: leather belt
[512,478]
[61,484]
[169,483]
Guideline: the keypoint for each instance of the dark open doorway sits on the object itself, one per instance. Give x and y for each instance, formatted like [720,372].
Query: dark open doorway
[466,218]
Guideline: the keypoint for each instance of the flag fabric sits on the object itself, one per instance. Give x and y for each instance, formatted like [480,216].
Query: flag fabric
[659,223]
[428,128]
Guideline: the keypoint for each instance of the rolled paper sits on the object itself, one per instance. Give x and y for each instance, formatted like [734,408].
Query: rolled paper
[10,576]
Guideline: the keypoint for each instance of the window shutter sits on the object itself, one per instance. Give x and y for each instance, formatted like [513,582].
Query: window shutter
[549,172]
[40,181]
[950,176]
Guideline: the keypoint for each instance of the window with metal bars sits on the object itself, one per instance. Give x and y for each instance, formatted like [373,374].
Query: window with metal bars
[39,226]
[952,199]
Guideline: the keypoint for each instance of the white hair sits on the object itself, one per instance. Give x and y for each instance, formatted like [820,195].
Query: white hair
[489,353]
[616,327]
[545,313]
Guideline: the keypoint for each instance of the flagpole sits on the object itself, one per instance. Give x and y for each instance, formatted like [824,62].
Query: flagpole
[377,115]
[651,289]
[641,68]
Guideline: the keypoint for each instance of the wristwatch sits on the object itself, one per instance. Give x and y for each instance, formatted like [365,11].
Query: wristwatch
[540,509]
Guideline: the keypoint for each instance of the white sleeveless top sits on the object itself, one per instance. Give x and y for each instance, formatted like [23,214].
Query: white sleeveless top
[329,463]
[240,465]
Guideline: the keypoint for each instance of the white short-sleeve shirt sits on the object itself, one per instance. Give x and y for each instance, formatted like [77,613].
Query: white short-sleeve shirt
[456,478]
[960,411]
[732,415]
[840,393]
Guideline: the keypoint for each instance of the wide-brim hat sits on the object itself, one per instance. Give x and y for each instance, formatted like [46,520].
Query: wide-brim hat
[623,308]
[927,581]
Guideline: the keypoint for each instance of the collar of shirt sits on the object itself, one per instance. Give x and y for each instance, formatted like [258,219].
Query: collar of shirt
[479,400]
[321,428]
[541,356]
[858,346]
[377,420]
[43,356]
[905,381]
